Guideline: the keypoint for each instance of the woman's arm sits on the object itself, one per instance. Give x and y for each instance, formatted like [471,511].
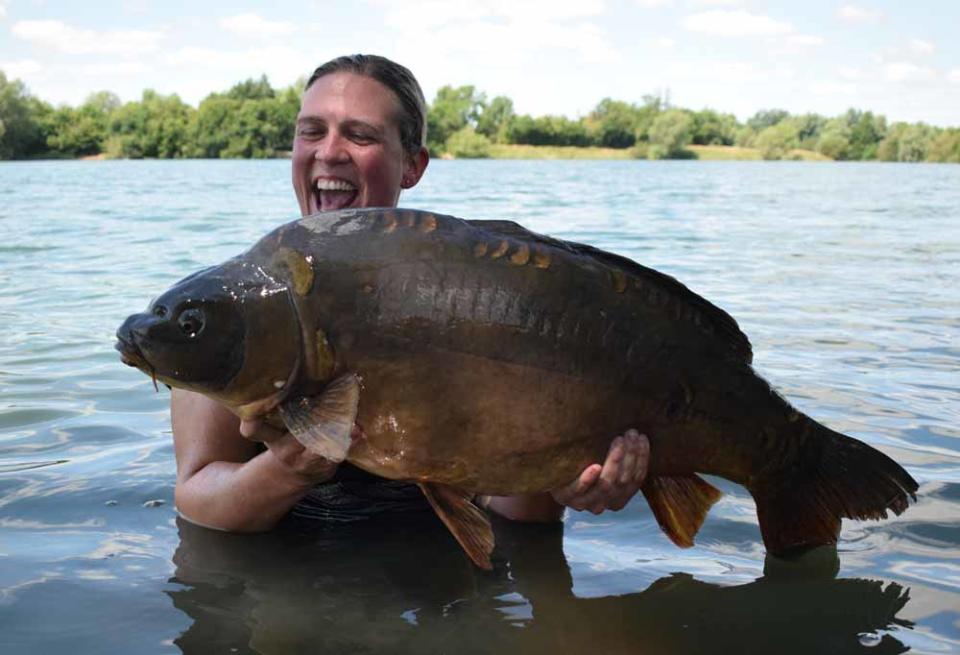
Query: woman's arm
[224,481]
[598,488]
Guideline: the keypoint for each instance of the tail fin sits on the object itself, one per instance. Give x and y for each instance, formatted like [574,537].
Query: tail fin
[833,477]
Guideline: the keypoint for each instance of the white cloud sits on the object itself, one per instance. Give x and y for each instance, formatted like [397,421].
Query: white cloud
[855,14]
[728,72]
[520,29]
[75,41]
[715,3]
[253,25]
[804,40]
[906,72]
[281,64]
[3,9]
[427,14]
[833,89]
[654,4]
[850,73]
[921,47]
[23,68]
[665,42]
[113,69]
[735,23]
[954,76]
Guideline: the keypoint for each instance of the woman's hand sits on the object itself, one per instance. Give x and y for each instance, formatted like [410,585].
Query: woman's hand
[613,484]
[285,447]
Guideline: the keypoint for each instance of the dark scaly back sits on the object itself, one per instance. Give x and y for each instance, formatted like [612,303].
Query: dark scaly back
[722,323]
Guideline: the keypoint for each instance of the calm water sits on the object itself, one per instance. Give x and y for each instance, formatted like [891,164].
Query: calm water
[846,277]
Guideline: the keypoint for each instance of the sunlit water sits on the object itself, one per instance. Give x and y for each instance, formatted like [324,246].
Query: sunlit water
[846,277]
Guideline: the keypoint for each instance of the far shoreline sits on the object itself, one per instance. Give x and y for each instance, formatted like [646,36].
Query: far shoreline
[531,152]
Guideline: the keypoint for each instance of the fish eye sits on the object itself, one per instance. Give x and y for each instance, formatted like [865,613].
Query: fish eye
[191,322]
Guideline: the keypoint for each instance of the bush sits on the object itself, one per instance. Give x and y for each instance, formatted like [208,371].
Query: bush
[465,143]
[776,141]
[834,141]
[670,133]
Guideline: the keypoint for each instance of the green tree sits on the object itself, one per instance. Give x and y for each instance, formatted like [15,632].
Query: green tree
[644,115]
[834,141]
[809,127]
[81,131]
[22,117]
[156,126]
[889,148]
[767,118]
[670,133]
[452,110]
[547,131]
[776,141]
[495,117]
[746,137]
[251,89]
[914,142]
[254,130]
[613,124]
[713,128]
[211,126]
[866,132]
[288,106]
[945,147]
[466,143]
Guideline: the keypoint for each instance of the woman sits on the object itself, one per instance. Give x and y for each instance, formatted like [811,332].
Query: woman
[359,140]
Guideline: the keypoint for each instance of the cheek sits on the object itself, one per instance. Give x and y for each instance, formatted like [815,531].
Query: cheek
[383,175]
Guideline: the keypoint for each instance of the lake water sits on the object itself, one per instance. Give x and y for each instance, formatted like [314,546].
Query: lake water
[845,276]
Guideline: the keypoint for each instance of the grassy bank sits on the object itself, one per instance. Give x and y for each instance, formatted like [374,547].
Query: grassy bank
[511,151]
[704,153]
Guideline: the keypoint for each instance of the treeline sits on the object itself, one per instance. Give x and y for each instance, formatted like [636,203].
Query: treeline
[464,124]
[252,119]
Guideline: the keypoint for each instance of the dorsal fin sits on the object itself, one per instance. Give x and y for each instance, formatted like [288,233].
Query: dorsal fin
[721,321]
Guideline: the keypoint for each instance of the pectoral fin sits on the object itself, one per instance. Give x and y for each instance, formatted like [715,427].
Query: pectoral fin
[323,423]
[466,521]
[680,504]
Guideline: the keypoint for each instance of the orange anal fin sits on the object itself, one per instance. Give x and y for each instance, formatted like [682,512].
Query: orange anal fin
[680,504]
[469,525]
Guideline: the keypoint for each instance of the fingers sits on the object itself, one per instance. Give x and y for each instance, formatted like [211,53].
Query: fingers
[642,463]
[257,430]
[569,493]
[300,460]
[621,476]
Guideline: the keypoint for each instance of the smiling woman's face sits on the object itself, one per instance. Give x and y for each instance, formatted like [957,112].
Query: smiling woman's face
[347,150]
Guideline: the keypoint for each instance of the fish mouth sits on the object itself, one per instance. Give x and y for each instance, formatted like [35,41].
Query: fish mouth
[331,193]
[131,355]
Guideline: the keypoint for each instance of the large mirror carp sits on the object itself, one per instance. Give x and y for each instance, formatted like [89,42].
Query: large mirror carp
[477,357]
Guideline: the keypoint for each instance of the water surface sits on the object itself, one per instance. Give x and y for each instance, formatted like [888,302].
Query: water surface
[845,276]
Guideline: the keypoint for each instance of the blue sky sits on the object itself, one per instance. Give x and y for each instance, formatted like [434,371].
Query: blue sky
[901,59]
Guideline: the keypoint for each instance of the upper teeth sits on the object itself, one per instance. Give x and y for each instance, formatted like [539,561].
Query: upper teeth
[334,185]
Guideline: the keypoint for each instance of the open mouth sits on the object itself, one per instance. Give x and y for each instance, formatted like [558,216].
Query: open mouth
[332,193]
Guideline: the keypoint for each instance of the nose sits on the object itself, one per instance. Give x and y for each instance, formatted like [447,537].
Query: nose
[137,326]
[332,149]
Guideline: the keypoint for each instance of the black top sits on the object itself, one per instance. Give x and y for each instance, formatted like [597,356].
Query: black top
[354,495]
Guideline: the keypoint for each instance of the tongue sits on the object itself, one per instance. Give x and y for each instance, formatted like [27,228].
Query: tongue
[333,200]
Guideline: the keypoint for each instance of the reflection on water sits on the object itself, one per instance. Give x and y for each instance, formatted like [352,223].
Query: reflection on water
[395,587]
[846,277]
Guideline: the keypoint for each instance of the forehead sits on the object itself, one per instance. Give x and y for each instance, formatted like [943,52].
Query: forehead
[348,96]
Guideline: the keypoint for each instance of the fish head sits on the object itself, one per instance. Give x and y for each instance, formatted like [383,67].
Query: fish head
[229,332]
